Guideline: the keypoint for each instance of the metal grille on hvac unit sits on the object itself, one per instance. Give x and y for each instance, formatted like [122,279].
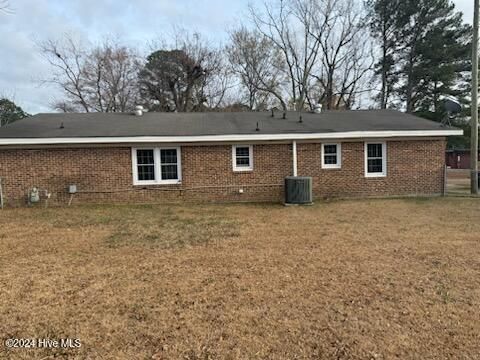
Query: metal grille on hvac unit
[298,190]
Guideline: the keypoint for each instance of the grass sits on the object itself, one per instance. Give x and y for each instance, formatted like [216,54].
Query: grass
[458,182]
[344,279]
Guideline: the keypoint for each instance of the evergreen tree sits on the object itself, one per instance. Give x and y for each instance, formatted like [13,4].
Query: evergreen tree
[9,112]
[434,54]
[382,15]
[168,81]
[425,53]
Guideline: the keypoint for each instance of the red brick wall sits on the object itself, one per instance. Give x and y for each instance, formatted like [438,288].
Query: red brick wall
[104,174]
[413,168]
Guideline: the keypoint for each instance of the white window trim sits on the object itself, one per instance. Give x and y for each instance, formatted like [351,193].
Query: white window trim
[384,160]
[338,165]
[158,172]
[234,158]
[135,167]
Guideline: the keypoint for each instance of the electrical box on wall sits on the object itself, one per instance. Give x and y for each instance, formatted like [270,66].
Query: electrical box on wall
[72,189]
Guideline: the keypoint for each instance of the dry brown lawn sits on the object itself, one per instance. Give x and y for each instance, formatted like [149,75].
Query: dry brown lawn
[364,279]
[458,181]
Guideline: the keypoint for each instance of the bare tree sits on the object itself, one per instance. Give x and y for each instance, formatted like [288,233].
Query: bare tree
[112,71]
[216,77]
[99,79]
[324,48]
[259,65]
[214,87]
[345,54]
[67,59]
[290,27]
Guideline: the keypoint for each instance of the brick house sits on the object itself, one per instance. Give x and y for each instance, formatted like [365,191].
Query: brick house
[168,157]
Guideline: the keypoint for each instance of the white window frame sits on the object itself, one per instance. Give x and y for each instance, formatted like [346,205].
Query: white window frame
[234,158]
[338,165]
[158,169]
[135,167]
[384,160]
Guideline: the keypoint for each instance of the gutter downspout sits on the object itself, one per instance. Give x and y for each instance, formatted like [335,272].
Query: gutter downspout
[1,194]
[294,158]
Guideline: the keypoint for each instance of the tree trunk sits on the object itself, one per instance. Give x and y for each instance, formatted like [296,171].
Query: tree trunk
[383,92]
[329,95]
[409,89]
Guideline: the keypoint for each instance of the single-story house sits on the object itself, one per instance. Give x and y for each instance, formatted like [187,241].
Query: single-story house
[459,158]
[244,156]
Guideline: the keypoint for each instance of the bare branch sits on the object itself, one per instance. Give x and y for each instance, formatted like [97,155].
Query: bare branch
[101,79]
[5,7]
[259,65]
[346,57]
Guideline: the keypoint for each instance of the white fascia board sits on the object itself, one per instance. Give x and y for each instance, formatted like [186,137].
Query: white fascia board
[227,138]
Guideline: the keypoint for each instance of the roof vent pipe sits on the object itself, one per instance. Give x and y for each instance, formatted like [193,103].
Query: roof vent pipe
[138,110]
[317,109]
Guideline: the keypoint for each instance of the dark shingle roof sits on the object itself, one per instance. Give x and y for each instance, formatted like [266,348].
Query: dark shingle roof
[198,124]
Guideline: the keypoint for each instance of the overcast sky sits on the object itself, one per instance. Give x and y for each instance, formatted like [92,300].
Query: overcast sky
[136,22]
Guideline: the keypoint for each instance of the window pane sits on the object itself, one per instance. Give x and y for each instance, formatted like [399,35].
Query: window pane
[375,166]
[145,165]
[243,161]
[169,172]
[243,151]
[374,150]
[330,159]
[242,156]
[146,172]
[145,157]
[168,156]
[330,149]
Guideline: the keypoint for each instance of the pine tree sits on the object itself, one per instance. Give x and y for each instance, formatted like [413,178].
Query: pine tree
[382,15]
[424,53]
[434,50]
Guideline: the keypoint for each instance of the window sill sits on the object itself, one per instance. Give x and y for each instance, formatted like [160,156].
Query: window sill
[168,182]
[374,176]
[243,170]
[331,168]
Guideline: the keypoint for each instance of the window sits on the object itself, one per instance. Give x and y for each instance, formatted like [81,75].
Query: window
[331,156]
[169,164]
[375,159]
[156,166]
[242,157]
[146,165]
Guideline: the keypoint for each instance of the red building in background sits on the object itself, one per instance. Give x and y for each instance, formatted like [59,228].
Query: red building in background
[458,158]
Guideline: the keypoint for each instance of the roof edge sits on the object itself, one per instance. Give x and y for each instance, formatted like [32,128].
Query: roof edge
[223,138]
